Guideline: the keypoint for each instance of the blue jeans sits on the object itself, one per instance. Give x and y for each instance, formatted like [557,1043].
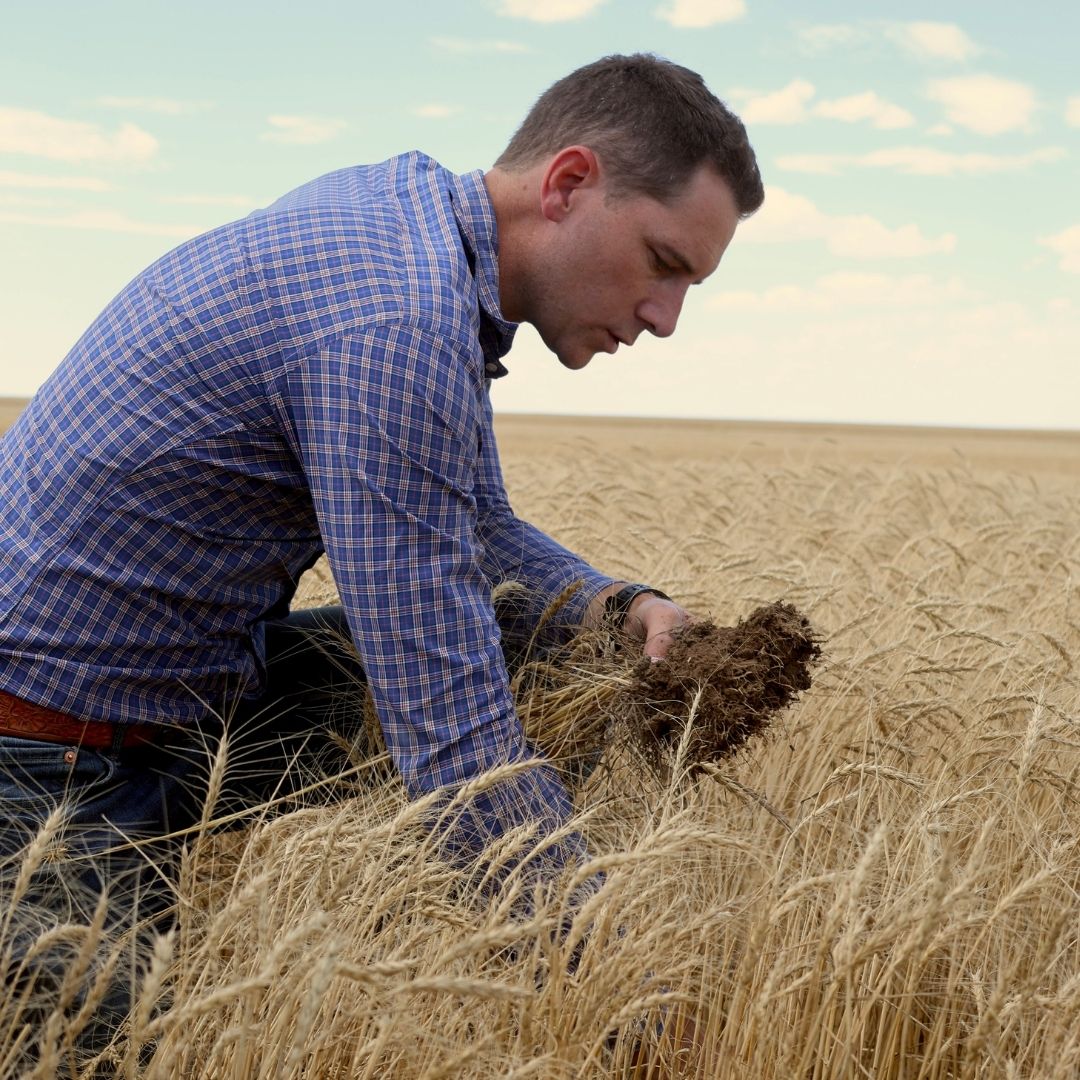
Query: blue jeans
[314,683]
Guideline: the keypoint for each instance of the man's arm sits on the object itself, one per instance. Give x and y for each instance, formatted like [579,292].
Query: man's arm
[514,550]
[386,424]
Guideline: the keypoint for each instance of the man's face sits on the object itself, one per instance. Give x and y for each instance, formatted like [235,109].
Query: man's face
[615,267]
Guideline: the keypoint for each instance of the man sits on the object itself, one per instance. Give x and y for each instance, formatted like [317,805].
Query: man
[314,377]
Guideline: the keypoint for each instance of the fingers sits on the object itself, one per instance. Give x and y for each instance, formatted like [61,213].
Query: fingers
[658,619]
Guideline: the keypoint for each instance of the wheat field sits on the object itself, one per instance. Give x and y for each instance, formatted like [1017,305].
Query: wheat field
[884,887]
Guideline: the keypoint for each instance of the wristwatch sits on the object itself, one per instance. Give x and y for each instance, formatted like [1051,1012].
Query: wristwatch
[618,604]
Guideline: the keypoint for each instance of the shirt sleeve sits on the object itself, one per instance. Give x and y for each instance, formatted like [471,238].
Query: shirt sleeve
[515,551]
[388,425]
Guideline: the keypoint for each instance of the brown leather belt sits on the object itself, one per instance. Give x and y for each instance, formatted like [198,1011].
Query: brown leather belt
[24,720]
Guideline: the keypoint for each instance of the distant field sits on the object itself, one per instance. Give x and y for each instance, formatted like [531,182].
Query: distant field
[777,442]
[888,887]
[9,411]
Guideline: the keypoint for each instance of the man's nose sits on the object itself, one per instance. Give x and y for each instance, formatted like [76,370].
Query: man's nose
[660,312]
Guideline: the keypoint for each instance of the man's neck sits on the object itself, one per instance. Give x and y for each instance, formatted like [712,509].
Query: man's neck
[513,199]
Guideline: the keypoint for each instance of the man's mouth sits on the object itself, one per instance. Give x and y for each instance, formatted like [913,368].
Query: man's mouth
[613,342]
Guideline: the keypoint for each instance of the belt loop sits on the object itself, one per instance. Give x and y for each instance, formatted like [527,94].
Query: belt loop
[118,733]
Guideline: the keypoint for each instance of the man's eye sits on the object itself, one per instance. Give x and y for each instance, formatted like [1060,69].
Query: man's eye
[660,266]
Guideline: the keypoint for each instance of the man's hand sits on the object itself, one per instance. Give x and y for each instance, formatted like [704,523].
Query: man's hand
[651,620]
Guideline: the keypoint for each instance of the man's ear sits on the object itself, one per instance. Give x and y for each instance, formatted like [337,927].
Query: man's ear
[572,169]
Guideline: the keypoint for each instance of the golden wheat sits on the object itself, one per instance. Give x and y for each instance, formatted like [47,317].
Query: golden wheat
[888,887]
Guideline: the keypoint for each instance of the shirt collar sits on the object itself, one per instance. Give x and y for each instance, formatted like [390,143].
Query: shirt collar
[476,220]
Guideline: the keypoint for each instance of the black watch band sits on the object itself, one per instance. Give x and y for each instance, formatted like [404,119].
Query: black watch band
[618,604]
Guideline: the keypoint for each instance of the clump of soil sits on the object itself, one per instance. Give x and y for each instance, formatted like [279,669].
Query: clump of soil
[732,679]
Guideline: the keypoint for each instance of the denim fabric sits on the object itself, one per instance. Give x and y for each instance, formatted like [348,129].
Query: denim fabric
[108,798]
[105,796]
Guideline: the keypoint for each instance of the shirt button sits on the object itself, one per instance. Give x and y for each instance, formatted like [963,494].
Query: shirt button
[69,757]
[492,368]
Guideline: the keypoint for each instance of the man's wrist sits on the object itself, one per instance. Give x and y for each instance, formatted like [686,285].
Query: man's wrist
[617,605]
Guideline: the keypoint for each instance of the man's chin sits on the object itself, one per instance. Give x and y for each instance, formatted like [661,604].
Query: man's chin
[573,357]
[574,361]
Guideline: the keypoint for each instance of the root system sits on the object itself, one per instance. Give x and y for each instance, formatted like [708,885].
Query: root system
[725,682]
[717,687]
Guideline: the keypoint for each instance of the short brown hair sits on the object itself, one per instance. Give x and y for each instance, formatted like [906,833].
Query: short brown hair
[651,123]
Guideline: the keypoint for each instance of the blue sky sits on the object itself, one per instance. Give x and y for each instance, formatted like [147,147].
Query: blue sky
[917,259]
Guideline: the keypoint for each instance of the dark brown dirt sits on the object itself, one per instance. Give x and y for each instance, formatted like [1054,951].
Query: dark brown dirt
[739,676]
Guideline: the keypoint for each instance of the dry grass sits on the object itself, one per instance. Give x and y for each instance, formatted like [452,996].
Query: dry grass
[887,888]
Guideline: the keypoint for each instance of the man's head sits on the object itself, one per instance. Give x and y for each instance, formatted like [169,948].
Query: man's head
[621,189]
[651,122]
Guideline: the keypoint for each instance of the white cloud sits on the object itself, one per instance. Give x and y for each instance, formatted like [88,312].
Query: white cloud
[791,105]
[1067,245]
[210,200]
[18,199]
[920,161]
[470,45]
[847,291]
[546,11]
[435,111]
[26,131]
[985,104]
[165,106]
[1072,112]
[928,161]
[786,217]
[784,106]
[820,38]
[303,130]
[939,130]
[106,220]
[952,363]
[694,14]
[863,237]
[817,164]
[59,183]
[865,106]
[783,217]
[933,40]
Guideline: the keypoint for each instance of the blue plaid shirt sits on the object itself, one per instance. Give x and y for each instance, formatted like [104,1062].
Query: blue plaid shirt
[312,377]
